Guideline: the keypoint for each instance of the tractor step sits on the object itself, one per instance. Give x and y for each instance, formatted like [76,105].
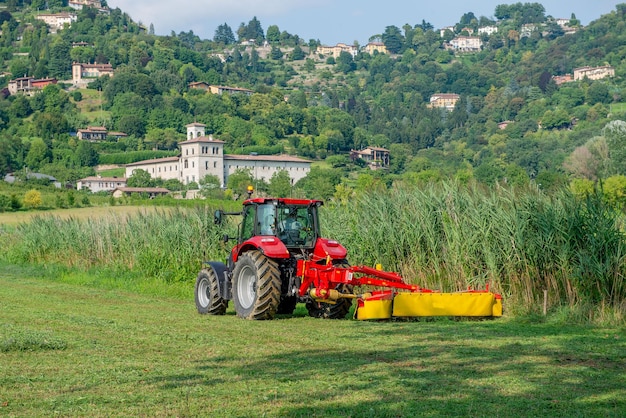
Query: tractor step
[416,304]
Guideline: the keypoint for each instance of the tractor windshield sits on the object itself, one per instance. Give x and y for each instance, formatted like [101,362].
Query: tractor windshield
[295,225]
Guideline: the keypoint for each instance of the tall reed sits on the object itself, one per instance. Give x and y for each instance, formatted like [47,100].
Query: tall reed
[444,236]
[167,244]
[519,241]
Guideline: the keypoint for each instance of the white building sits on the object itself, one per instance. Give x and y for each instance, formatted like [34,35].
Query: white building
[466,43]
[593,73]
[101,184]
[202,155]
[489,30]
[56,21]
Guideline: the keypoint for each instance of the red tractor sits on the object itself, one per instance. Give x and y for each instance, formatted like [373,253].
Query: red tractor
[281,259]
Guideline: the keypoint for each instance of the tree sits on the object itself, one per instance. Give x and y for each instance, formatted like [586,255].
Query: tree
[297,53]
[393,39]
[252,30]
[32,199]
[276,53]
[273,34]
[210,186]
[598,92]
[345,63]
[320,183]
[239,181]
[60,61]
[255,30]
[86,154]
[224,34]
[38,154]
[614,190]
[280,184]
[615,134]
[590,161]
[140,178]
[132,125]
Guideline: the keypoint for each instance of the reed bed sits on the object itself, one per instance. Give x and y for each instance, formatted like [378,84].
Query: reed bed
[165,244]
[446,236]
[520,242]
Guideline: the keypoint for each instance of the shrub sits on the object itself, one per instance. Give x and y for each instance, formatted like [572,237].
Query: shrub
[71,199]
[5,203]
[59,202]
[14,203]
[32,199]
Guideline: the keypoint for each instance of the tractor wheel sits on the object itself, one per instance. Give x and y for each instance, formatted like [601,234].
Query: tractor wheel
[256,286]
[287,305]
[208,300]
[337,310]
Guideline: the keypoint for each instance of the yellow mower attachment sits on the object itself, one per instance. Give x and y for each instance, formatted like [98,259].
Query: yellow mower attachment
[387,304]
[375,305]
[447,304]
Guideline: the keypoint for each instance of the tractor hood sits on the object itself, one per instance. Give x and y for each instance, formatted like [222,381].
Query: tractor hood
[325,247]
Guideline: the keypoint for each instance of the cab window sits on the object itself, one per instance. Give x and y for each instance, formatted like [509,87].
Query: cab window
[247,227]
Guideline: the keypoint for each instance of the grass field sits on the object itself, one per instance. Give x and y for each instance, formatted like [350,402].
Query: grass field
[84,350]
[14,218]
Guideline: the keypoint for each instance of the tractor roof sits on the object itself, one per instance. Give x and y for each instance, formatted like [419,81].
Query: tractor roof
[285,201]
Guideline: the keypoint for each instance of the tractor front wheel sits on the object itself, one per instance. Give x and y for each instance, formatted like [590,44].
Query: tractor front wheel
[256,286]
[208,300]
[337,310]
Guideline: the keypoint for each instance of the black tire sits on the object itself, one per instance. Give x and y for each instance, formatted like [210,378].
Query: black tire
[287,305]
[208,300]
[337,310]
[256,286]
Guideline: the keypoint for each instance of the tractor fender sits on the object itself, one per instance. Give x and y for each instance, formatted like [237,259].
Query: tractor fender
[270,246]
[325,247]
[223,278]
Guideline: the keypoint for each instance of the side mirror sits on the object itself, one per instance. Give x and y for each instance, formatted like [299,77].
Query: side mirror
[226,238]
[217,217]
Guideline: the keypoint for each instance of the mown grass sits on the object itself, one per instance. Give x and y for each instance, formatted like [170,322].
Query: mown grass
[117,353]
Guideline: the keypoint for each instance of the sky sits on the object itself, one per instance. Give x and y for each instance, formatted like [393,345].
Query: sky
[330,21]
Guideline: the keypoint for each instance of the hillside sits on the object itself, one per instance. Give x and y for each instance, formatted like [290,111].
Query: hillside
[512,121]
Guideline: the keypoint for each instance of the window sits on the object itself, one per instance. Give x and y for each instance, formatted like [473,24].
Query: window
[266,219]
[187,151]
[206,165]
[214,164]
[186,164]
[247,227]
[193,164]
[192,151]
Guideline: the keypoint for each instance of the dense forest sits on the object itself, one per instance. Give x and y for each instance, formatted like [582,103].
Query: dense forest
[321,107]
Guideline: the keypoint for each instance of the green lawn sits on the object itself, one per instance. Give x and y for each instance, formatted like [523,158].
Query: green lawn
[84,350]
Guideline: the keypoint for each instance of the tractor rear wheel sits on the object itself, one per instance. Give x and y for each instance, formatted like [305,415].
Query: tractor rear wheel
[208,300]
[256,286]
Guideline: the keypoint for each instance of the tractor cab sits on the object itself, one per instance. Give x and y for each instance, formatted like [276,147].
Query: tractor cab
[292,221]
